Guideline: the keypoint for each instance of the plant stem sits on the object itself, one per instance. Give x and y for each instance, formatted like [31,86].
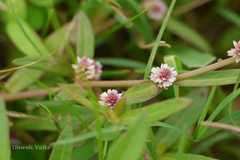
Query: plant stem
[116,83]
[158,39]
[221,126]
[206,69]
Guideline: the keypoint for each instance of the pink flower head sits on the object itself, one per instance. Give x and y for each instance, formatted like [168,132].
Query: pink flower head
[235,52]
[91,69]
[110,98]
[156,9]
[163,76]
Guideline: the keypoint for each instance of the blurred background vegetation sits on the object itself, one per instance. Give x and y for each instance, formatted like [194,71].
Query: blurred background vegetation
[43,37]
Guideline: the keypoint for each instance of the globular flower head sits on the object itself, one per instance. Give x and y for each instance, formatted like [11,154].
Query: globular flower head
[235,52]
[110,98]
[88,67]
[163,76]
[156,9]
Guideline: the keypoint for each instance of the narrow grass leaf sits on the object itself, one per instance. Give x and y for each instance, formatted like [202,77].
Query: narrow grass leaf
[158,39]
[229,15]
[4,130]
[188,34]
[121,62]
[224,103]
[182,120]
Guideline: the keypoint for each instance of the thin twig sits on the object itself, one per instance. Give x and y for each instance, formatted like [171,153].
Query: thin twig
[14,114]
[115,83]
[26,94]
[206,69]
[143,45]
[221,126]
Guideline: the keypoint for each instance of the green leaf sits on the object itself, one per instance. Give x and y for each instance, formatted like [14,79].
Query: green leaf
[25,39]
[22,79]
[75,92]
[214,78]
[130,144]
[63,107]
[121,62]
[105,132]
[229,15]
[4,130]
[85,35]
[186,156]
[158,111]
[63,152]
[20,7]
[188,34]
[41,124]
[191,57]
[52,41]
[44,3]
[137,93]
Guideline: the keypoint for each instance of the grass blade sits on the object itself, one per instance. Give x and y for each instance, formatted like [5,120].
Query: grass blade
[4,130]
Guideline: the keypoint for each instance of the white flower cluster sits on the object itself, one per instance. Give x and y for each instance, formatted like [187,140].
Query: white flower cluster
[90,68]
[235,52]
[163,76]
[156,9]
[110,98]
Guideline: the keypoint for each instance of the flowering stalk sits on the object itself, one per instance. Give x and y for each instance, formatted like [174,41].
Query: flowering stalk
[158,39]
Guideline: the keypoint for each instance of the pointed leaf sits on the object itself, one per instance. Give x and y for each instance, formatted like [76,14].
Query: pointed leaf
[130,145]
[158,111]
[85,36]
[141,93]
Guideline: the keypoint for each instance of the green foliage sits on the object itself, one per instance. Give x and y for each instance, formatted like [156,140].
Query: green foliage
[134,140]
[159,110]
[44,103]
[5,139]
[85,36]
[63,152]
